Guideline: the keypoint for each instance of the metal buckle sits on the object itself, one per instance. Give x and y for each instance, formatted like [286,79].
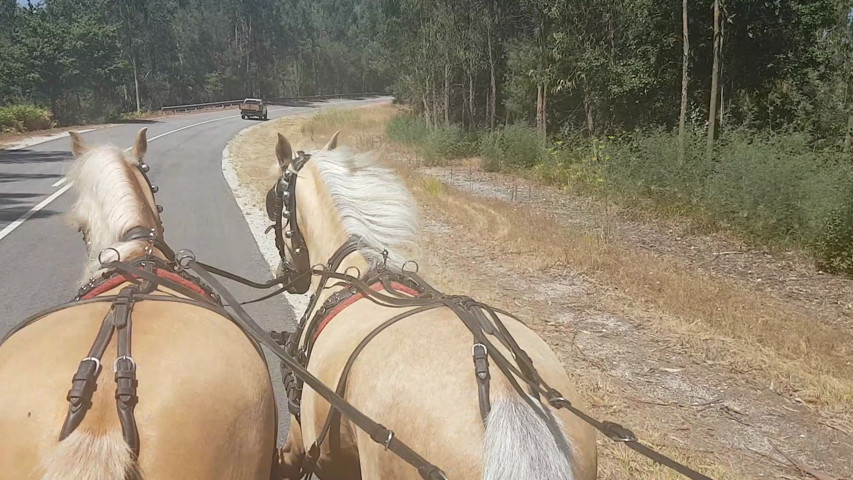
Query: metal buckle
[617,432]
[184,258]
[101,259]
[474,347]
[130,359]
[97,363]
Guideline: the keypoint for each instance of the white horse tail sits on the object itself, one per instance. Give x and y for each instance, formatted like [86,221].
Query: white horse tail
[82,456]
[520,445]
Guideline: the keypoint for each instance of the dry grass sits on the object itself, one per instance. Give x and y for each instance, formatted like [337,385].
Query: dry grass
[718,321]
[361,128]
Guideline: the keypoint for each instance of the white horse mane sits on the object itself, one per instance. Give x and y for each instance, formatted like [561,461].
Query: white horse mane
[372,202]
[108,203]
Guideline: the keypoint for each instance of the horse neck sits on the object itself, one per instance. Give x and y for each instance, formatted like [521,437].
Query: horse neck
[111,202]
[324,232]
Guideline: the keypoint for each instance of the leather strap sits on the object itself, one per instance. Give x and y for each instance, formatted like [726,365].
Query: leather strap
[481,371]
[84,382]
[125,370]
[376,431]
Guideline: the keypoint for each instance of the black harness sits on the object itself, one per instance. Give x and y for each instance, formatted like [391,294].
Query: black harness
[483,321]
[284,193]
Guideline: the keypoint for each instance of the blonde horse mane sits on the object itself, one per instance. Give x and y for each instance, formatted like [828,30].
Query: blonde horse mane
[372,202]
[110,199]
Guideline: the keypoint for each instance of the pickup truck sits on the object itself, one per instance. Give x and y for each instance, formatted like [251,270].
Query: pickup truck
[253,107]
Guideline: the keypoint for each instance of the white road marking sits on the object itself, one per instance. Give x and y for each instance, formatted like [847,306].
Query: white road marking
[59,182]
[23,218]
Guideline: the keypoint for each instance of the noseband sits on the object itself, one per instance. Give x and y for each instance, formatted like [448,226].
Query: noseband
[281,205]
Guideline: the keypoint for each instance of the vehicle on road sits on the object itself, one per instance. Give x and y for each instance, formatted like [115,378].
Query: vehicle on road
[253,107]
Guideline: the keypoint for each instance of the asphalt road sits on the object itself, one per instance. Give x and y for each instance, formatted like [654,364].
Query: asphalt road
[41,259]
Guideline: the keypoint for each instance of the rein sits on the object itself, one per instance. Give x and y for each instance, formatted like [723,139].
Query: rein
[398,290]
[481,320]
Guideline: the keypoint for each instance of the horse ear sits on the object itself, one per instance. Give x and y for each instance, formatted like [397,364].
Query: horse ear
[141,145]
[333,142]
[78,146]
[283,152]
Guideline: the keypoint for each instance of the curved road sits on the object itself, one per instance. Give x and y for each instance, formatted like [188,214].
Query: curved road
[41,259]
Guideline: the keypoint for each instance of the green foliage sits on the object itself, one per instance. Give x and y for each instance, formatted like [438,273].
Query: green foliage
[87,59]
[515,146]
[448,143]
[23,118]
[407,129]
[834,247]
[773,189]
[437,145]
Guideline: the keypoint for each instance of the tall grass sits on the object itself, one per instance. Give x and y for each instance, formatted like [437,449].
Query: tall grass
[23,118]
[772,189]
[438,144]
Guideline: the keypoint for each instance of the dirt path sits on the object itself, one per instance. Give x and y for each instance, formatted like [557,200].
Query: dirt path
[636,371]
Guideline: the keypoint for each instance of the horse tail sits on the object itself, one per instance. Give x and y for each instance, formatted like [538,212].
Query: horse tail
[82,456]
[521,445]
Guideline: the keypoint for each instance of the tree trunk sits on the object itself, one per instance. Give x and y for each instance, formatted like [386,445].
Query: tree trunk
[471,103]
[712,109]
[685,59]
[136,86]
[544,110]
[848,139]
[493,89]
[587,108]
[539,105]
[424,98]
[721,117]
[447,90]
[434,102]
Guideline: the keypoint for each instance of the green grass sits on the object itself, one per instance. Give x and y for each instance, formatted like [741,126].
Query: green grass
[437,145]
[24,118]
[771,189]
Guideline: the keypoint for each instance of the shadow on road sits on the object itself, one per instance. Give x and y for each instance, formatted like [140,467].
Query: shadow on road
[13,205]
[18,177]
[32,156]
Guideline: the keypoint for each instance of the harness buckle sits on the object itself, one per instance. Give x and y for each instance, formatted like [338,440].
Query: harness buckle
[97,363]
[184,258]
[108,249]
[124,357]
[617,432]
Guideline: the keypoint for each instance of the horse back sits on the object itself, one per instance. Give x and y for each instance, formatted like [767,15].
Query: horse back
[204,391]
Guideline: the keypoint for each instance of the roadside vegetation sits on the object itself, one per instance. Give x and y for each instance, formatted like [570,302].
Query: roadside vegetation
[691,326]
[23,118]
[777,190]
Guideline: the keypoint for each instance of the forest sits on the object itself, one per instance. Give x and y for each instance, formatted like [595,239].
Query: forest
[739,112]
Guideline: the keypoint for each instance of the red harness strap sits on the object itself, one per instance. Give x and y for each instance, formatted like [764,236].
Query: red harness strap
[376,287]
[119,279]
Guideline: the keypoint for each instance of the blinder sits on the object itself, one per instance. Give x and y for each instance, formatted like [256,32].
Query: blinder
[281,205]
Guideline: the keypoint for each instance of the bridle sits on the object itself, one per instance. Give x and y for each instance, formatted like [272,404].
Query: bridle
[295,269]
[140,232]
[296,275]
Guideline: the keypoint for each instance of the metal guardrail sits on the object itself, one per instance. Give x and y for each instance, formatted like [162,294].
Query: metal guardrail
[199,106]
[231,103]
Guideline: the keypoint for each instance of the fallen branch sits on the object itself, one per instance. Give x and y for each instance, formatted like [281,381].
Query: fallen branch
[803,468]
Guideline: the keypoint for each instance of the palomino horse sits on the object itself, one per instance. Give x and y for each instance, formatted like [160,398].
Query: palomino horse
[205,401]
[416,376]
